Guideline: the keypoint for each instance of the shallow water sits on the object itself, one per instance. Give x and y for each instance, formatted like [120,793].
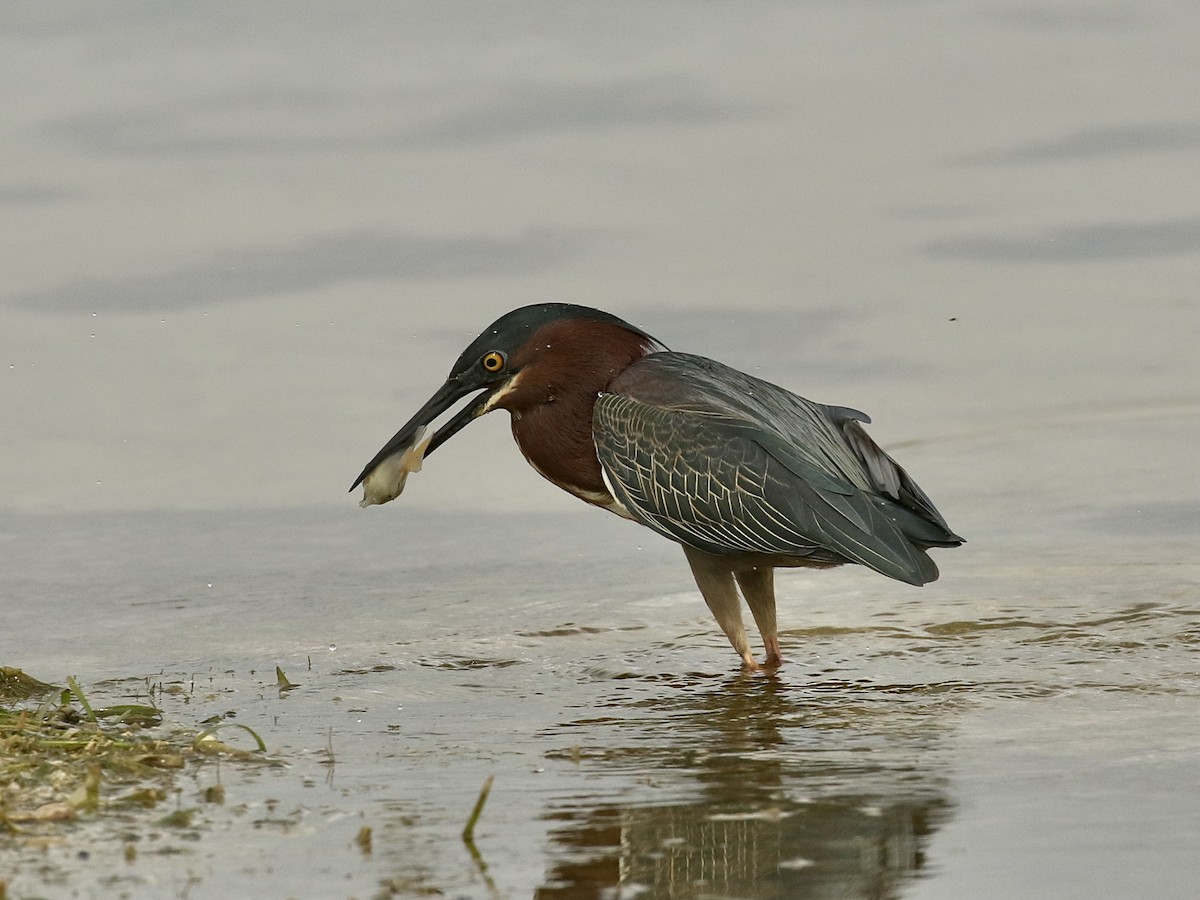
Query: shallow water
[918,743]
[240,248]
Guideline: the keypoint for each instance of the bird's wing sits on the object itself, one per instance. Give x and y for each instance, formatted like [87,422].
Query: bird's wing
[913,509]
[721,483]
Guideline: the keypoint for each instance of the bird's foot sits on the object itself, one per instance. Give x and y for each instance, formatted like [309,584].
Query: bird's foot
[748,663]
[774,655]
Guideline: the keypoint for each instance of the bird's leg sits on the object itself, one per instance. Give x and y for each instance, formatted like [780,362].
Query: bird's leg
[758,587]
[714,577]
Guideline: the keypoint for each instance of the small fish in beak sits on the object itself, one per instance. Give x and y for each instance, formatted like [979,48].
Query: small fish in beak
[385,482]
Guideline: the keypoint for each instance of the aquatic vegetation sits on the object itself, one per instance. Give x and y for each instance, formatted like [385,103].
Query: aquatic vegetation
[62,759]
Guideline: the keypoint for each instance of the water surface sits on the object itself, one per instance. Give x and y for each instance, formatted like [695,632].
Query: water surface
[240,246]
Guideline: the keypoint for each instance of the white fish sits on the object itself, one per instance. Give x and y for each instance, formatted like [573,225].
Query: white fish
[385,482]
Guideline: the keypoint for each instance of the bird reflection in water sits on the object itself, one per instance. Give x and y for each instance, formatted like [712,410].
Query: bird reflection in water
[786,794]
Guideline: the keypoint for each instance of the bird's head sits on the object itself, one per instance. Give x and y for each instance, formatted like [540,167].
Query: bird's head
[528,357]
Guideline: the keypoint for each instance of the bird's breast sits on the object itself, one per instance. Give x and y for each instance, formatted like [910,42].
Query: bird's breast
[556,440]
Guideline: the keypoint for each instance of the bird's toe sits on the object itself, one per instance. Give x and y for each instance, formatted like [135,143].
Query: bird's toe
[774,655]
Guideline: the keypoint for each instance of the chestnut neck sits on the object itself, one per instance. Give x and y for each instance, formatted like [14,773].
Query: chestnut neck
[561,370]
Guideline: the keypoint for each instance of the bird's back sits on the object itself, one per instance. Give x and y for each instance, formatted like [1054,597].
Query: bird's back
[675,427]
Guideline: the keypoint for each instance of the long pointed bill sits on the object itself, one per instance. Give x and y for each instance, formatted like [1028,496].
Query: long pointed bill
[401,455]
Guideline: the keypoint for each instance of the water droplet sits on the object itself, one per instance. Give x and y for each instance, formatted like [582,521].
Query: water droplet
[332,647]
[210,584]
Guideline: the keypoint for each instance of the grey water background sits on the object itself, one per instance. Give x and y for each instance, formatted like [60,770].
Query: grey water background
[241,244]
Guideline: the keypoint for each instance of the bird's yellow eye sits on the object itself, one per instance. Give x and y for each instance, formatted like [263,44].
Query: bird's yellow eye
[492,362]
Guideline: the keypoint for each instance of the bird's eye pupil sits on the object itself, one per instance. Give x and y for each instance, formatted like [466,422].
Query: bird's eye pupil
[493,362]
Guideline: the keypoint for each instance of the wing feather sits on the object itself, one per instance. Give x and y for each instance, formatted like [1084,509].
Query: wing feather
[716,483]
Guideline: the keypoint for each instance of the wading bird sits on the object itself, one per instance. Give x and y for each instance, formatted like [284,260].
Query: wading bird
[745,475]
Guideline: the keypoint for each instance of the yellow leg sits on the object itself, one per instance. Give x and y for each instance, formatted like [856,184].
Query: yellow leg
[714,577]
[758,587]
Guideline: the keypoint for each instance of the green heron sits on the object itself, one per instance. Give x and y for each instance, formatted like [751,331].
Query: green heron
[745,475]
